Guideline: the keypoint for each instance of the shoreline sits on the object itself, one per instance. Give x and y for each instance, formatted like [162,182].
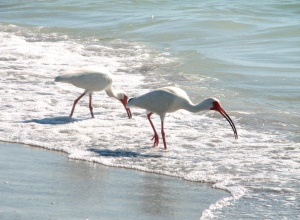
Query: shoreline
[37,183]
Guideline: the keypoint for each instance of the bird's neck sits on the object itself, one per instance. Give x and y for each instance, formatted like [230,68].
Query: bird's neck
[191,107]
[112,93]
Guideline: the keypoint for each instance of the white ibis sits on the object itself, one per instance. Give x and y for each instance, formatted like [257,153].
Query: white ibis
[93,79]
[171,99]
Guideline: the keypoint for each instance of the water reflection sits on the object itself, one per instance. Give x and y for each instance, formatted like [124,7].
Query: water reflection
[157,198]
[60,188]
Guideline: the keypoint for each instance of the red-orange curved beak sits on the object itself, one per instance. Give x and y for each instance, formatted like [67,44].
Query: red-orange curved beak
[217,107]
[124,102]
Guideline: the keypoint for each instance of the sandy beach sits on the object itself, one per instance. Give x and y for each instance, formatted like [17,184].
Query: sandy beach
[43,184]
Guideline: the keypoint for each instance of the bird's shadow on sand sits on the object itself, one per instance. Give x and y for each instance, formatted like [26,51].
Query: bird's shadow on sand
[121,153]
[54,120]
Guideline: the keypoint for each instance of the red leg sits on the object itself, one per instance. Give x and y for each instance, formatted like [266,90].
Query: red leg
[90,106]
[75,102]
[163,134]
[155,136]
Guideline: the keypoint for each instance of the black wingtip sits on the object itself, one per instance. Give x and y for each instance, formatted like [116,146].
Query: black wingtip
[130,99]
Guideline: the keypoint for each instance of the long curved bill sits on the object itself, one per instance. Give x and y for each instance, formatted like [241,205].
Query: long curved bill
[225,115]
[217,107]
[124,102]
[128,112]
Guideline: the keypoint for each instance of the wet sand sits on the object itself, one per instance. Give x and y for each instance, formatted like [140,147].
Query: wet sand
[42,184]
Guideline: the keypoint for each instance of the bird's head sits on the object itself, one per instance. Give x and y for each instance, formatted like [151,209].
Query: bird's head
[124,100]
[214,104]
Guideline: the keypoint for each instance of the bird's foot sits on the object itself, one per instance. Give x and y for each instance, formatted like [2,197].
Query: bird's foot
[156,140]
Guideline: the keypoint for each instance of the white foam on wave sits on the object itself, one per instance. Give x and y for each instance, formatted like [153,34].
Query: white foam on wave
[34,111]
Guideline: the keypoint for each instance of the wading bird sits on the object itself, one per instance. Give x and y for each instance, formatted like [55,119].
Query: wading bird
[171,99]
[93,79]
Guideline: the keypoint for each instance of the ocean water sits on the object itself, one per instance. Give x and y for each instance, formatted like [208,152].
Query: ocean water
[245,53]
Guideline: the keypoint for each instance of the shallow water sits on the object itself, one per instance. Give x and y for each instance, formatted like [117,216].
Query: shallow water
[246,54]
[39,184]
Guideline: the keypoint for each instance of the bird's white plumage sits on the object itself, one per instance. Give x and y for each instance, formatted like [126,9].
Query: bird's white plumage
[171,99]
[90,79]
[93,79]
[162,100]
